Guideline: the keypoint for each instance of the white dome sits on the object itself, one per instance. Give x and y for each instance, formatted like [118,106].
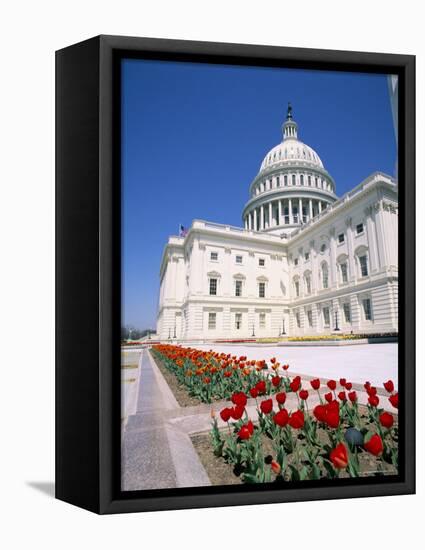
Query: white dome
[289,151]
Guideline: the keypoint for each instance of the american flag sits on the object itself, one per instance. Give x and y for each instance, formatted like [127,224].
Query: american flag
[182,231]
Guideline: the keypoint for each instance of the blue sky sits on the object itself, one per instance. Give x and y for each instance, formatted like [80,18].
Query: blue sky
[194,136]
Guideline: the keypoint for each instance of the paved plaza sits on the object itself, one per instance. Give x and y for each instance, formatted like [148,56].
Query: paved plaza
[374,362]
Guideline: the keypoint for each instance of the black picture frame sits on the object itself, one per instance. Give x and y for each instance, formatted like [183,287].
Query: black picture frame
[88,271]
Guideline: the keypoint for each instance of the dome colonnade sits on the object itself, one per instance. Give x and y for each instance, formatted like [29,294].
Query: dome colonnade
[291,187]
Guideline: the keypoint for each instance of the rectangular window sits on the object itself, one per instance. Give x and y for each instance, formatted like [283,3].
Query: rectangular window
[359,228]
[214,256]
[238,259]
[302,179]
[213,287]
[297,288]
[293,179]
[341,238]
[212,320]
[238,321]
[326,317]
[367,309]
[238,288]
[262,290]
[344,272]
[309,180]
[261,262]
[363,265]
[285,180]
[278,181]
[306,256]
[310,317]
[262,320]
[347,312]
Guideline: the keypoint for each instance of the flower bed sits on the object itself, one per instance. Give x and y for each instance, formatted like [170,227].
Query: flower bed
[210,376]
[335,439]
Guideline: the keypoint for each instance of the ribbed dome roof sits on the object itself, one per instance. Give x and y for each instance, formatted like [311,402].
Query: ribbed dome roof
[289,151]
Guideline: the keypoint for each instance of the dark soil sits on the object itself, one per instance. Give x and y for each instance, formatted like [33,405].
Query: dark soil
[179,391]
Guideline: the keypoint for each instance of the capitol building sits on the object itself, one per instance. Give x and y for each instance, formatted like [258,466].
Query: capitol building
[304,262]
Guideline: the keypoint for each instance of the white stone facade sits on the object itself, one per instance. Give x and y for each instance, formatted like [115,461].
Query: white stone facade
[305,262]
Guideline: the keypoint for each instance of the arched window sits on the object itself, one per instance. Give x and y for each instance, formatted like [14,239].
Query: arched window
[342,262]
[307,282]
[296,281]
[362,259]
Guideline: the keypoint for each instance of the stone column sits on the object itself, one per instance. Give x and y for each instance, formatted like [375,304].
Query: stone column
[255,220]
[280,212]
[250,221]
[371,240]
[246,222]
[310,206]
[350,247]
[300,210]
[320,206]
[332,248]
[291,219]
[261,217]
[270,213]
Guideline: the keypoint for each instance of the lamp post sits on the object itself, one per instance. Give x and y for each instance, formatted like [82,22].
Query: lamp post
[336,321]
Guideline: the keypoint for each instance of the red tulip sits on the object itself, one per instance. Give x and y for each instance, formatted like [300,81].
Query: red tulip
[389,386]
[386,419]
[342,396]
[237,412]
[275,466]
[339,456]
[285,367]
[281,418]
[393,399]
[253,392]
[332,418]
[371,390]
[374,445]
[239,398]
[250,426]
[303,395]
[331,384]
[276,381]
[261,386]
[244,433]
[366,385]
[320,412]
[226,414]
[266,406]
[343,382]
[295,384]
[352,396]
[273,360]
[329,397]
[281,397]
[373,400]
[315,384]
[296,420]
[348,386]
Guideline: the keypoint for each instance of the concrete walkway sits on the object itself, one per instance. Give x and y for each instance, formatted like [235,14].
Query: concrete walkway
[156,454]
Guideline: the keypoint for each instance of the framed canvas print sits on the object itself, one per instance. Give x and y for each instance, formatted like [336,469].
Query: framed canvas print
[235,274]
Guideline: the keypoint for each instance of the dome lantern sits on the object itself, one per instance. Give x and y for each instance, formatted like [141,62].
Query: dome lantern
[290,127]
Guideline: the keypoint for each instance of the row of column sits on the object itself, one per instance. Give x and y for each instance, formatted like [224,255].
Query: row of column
[283,212]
